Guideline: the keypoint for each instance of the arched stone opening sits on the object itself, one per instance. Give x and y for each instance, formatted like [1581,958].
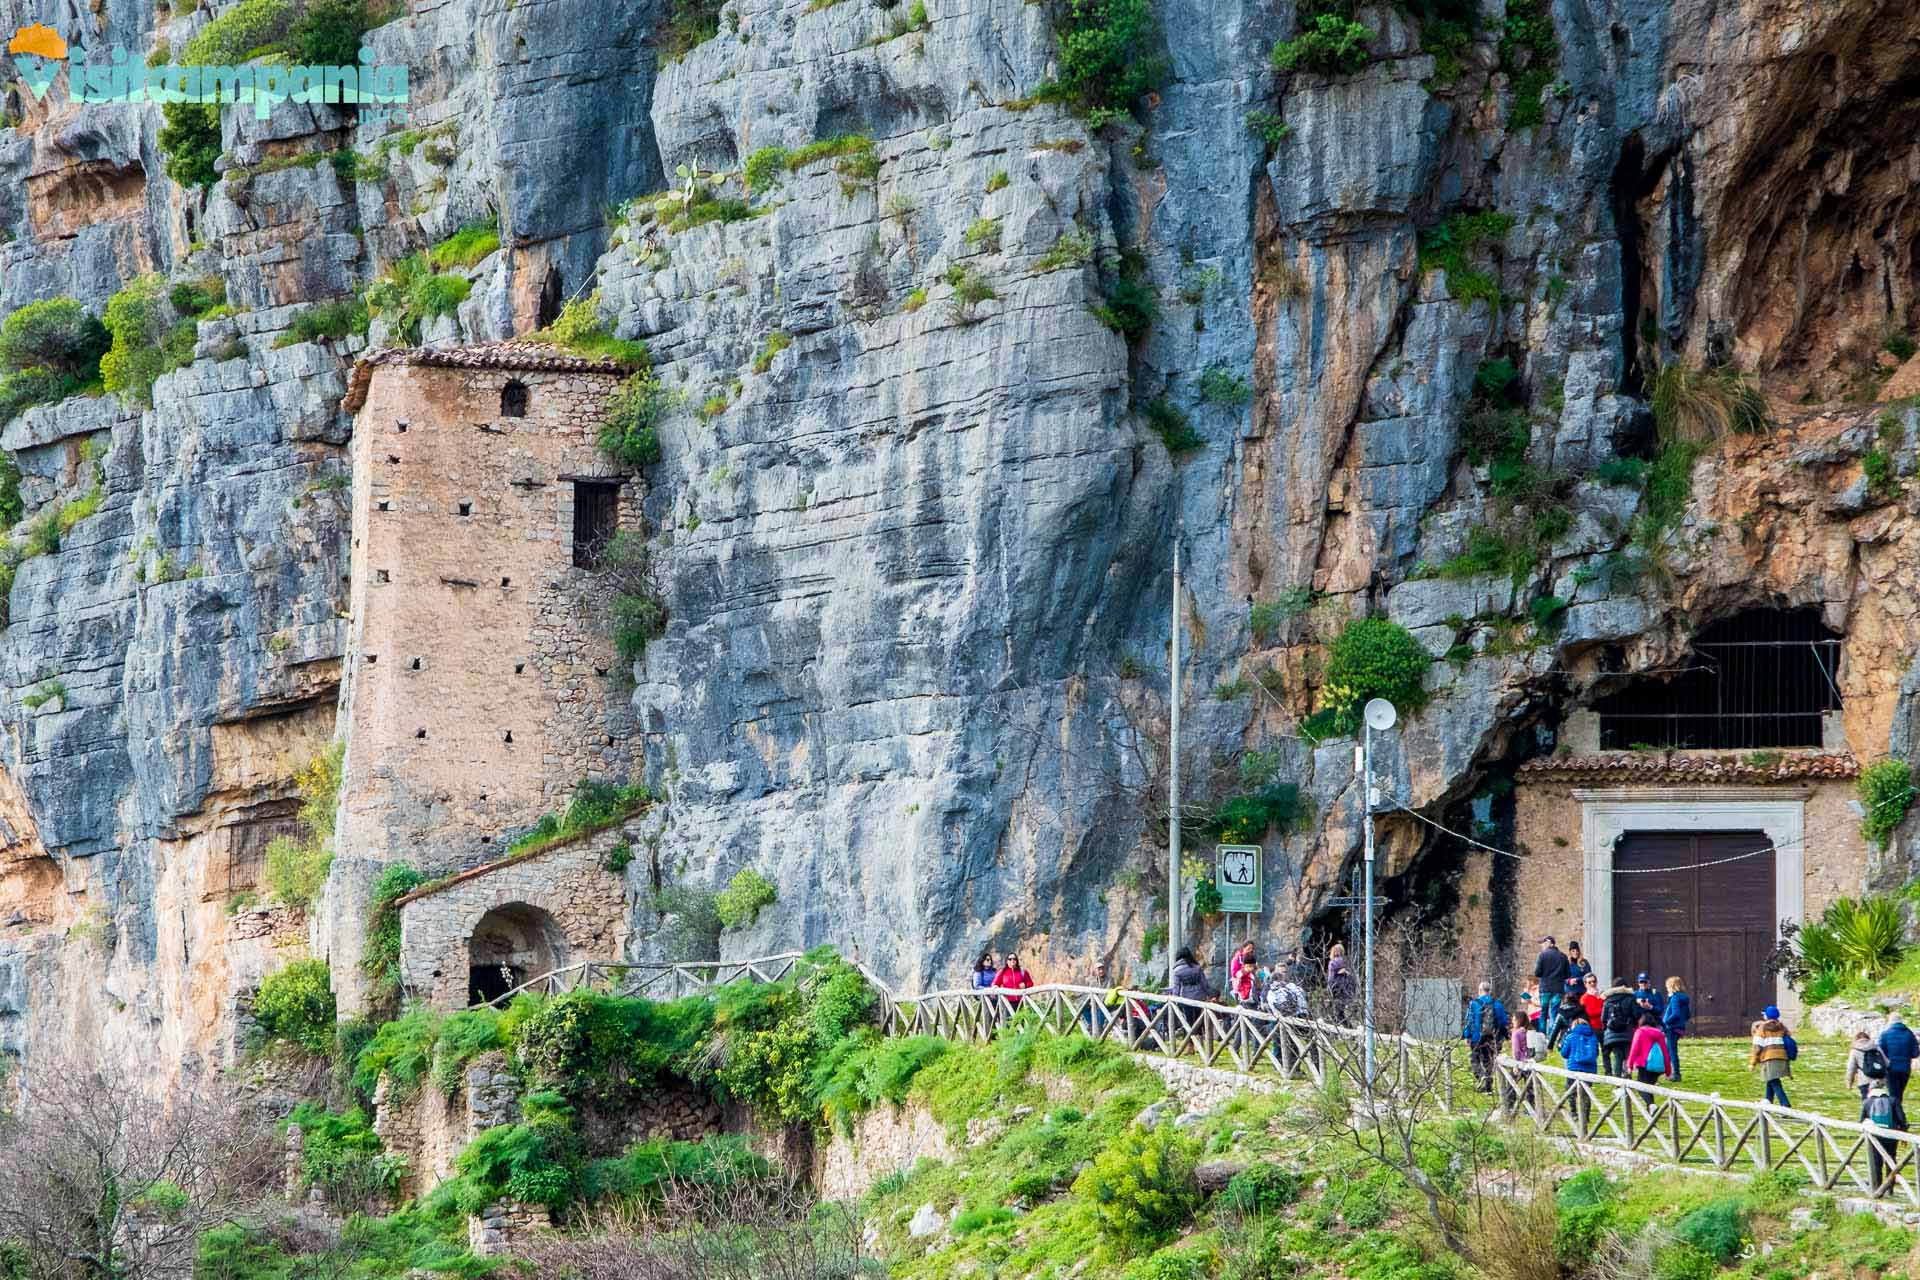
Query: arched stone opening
[510,945]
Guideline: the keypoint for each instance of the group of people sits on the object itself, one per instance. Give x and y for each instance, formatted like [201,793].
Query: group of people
[1632,1030]
[1011,977]
[1279,990]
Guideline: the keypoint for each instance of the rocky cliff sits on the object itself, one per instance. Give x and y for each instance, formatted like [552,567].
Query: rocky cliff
[917,504]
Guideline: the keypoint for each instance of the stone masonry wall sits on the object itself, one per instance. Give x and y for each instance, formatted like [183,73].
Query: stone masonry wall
[480,691]
[884,1141]
[430,1129]
[568,881]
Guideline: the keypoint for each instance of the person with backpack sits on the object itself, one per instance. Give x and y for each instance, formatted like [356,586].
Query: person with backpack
[1901,1048]
[1550,970]
[1619,1018]
[1879,1109]
[1487,1025]
[1647,1058]
[1866,1066]
[1772,1054]
[1673,1021]
[1580,1049]
[1286,999]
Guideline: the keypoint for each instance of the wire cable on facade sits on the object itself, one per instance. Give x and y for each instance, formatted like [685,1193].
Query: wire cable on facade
[1417,816]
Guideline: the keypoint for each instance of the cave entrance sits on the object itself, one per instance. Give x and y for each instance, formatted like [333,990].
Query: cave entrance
[1762,679]
[511,945]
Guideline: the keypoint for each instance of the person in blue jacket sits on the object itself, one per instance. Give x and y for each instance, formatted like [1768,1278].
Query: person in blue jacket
[1580,1047]
[1901,1048]
[1673,1021]
[1486,1030]
[985,971]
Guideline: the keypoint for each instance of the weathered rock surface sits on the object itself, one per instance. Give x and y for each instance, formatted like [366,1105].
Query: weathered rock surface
[917,564]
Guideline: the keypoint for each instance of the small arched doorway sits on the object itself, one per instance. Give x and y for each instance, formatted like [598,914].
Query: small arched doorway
[512,944]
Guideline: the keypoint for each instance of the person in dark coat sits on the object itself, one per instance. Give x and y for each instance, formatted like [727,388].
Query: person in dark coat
[1189,983]
[1551,969]
[1619,1019]
[1901,1048]
[1340,983]
[1486,1027]
[1564,1017]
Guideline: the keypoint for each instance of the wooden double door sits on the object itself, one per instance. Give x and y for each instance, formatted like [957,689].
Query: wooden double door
[1680,907]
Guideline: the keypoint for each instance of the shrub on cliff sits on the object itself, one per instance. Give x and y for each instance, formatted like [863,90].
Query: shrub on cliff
[295,1006]
[190,139]
[412,293]
[51,350]
[1142,1188]
[149,339]
[56,334]
[1371,658]
[631,432]
[1698,406]
[381,962]
[685,25]
[1110,55]
[1328,43]
[740,902]
[297,866]
[1886,789]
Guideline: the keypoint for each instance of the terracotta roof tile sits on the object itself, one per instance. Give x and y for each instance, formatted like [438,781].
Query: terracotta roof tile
[1660,766]
[522,356]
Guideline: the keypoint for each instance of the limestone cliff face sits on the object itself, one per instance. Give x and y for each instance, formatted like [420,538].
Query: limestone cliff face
[917,565]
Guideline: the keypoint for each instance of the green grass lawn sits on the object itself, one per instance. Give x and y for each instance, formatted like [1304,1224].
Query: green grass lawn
[1819,1080]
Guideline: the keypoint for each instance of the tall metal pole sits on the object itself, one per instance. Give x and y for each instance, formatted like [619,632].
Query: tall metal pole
[1173,779]
[1366,796]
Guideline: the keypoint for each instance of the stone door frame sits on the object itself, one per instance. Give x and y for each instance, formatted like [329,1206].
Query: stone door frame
[1607,814]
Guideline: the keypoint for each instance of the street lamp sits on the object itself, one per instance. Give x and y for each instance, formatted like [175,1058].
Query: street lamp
[1380,717]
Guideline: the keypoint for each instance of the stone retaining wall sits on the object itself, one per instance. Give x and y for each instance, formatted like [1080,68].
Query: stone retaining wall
[1204,1088]
[884,1141]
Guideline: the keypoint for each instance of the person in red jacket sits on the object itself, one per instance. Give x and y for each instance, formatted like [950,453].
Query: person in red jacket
[1591,1001]
[1013,978]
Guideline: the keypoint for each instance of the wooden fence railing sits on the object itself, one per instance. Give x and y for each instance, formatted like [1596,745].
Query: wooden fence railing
[1707,1131]
[1231,1037]
[659,980]
[1668,1125]
[1240,1038]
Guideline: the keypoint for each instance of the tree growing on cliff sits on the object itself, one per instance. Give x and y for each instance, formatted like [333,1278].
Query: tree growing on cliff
[103,1176]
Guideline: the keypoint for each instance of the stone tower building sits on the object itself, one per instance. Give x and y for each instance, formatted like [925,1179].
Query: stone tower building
[481,682]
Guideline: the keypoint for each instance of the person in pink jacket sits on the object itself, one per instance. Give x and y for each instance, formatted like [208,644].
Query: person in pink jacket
[1650,1054]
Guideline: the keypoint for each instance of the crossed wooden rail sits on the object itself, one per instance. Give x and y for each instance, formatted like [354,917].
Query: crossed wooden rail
[1240,1038]
[1673,1126]
[658,980]
[1706,1130]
